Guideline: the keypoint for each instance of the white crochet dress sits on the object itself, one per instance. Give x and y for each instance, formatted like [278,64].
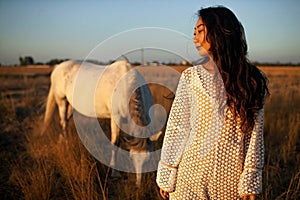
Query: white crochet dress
[204,153]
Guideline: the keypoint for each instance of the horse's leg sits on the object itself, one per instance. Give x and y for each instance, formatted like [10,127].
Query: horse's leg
[114,140]
[62,109]
[69,112]
[139,158]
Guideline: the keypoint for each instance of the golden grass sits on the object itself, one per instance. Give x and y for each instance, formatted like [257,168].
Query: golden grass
[25,70]
[48,167]
[282,134]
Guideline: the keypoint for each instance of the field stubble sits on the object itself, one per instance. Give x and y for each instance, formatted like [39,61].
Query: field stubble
[48,167]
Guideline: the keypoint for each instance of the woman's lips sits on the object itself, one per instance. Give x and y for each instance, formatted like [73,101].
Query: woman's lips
[198,47]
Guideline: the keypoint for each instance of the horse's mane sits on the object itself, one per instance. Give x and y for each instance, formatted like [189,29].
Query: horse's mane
[140,116]
[138,112]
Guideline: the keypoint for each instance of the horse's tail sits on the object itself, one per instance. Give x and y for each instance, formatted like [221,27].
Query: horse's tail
[50,107]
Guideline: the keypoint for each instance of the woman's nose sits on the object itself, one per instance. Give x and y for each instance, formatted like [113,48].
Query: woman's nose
[195,40]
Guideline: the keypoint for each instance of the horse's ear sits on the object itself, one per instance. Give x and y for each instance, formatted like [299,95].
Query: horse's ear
[125,58]
[155,137]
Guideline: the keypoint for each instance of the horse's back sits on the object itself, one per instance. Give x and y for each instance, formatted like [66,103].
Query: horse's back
[62,69]
[107,85]
[88,87]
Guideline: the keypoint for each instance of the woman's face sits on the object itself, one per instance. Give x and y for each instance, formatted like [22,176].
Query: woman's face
[200,41]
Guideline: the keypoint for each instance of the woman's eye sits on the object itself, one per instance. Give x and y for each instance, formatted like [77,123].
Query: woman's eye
[199,31]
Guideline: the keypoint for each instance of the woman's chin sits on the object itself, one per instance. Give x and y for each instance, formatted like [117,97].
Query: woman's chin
[203,53]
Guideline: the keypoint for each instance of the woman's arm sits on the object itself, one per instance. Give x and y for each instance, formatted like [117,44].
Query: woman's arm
[251,178]
[176,135]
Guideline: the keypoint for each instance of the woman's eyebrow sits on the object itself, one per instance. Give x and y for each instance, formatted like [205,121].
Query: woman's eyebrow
[199,26]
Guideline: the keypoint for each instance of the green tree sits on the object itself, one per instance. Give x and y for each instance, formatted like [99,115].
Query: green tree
[27,60]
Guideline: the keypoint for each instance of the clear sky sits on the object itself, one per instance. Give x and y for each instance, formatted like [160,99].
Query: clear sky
[71,28]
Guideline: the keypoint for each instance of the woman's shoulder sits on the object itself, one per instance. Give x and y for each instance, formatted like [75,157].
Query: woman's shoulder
[196,72]
[192,70]
[189,73]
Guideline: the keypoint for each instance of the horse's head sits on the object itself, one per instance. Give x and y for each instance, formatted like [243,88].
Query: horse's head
[140,141]
[139,151]
[133,107]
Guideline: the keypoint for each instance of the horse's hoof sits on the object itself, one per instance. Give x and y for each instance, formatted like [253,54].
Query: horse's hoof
[115,174]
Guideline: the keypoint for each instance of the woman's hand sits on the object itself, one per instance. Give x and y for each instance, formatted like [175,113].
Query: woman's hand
[164,194]
[249,196]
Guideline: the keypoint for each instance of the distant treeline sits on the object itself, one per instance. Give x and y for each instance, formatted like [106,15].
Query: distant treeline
[29,60]
[272,64]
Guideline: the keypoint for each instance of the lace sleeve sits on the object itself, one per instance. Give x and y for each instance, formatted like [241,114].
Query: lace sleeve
[176,135]
[251,178]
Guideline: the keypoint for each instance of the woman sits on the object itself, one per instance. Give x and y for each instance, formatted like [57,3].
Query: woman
[213,146]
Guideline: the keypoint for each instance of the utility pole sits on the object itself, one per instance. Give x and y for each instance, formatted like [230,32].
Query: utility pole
[142,51]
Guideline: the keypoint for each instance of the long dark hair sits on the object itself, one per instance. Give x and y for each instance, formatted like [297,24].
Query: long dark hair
[245,84]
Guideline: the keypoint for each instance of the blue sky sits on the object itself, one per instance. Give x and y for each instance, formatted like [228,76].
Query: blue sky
[73,28]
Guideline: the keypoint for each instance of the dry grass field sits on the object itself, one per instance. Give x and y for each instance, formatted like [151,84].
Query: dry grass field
[34,167]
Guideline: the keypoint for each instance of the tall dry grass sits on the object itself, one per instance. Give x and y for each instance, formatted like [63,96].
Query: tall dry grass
[282,134]
[41,167]
[50,167]
[54,167]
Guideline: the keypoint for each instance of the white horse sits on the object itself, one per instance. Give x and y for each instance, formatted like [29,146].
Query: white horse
[117,92]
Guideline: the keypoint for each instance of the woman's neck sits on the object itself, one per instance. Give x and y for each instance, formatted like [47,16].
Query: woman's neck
[210,66]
